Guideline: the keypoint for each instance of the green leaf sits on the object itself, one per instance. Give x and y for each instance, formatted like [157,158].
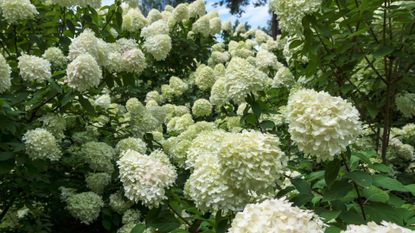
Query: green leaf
[221,223]
[7,155]
[411,188]
[139,228]
[382,51]
[86,104]
[332,171]
[301,185]
[162,219]
[338,190]
[375,194]
[328,215]
[388,183]
[267,124]
[360,178]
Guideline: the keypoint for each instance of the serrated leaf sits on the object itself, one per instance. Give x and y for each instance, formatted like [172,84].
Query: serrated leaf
[338,190]
[388,183]
[139,228]
[376,194]
[301,185]
[361,178]
[332,171]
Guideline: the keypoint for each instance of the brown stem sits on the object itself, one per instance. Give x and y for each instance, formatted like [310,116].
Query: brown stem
[359,196]
[178,215]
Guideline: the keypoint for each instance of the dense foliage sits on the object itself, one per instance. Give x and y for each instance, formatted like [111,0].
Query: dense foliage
[112,121]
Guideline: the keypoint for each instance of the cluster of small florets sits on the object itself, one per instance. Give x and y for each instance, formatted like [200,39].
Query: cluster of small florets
[201,108]
[99,156]
[321,125]
[175,88]
[158,46]
[252,161]
[397,149]
[218,96]
[5,71]
[85,206]
[141,120]
[291,12]
[83,73]
[131,216]
[204,77]
[154,96]
[406,104]
[177,147]
[180,124]
[133,20]
[266,60]
[56,57]
[41,144]
[118,203]
[96,182]
[233,169]
[276,215]
[141,181]
[16,10]
[88,43]
[130,143]
[34,68]
[373,227]
[55,124]
[242,78]
[283,78]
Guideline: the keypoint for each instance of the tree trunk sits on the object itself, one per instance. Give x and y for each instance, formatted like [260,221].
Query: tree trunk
[275,29]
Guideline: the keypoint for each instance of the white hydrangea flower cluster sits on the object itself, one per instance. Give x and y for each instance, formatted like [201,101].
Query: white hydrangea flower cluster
[34,68]
[252,161]
[321,125]
[133,61]
[181,12]
[133,20]
[140,119]
[180,124]
[99,156]
[266,60]
[157,40]
[177,147]
[405,103]
[291,13]
[131,143]
[204,77]
[118,203]
[240,49]
[96,182]
[154,96]
[131,216]
[274,216]
[233,169]
[5,71]
[218,95]
[55,124]
[201,108]
[83,73]
[56,57]
[372,227]
[207,25]
[283,78]
[88,43]
[16,10]
[242,78]
[397,149]
[158,46]
[197,8]
[154,15]
[175,88]
[41,144]
[85,206]
[141,181]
